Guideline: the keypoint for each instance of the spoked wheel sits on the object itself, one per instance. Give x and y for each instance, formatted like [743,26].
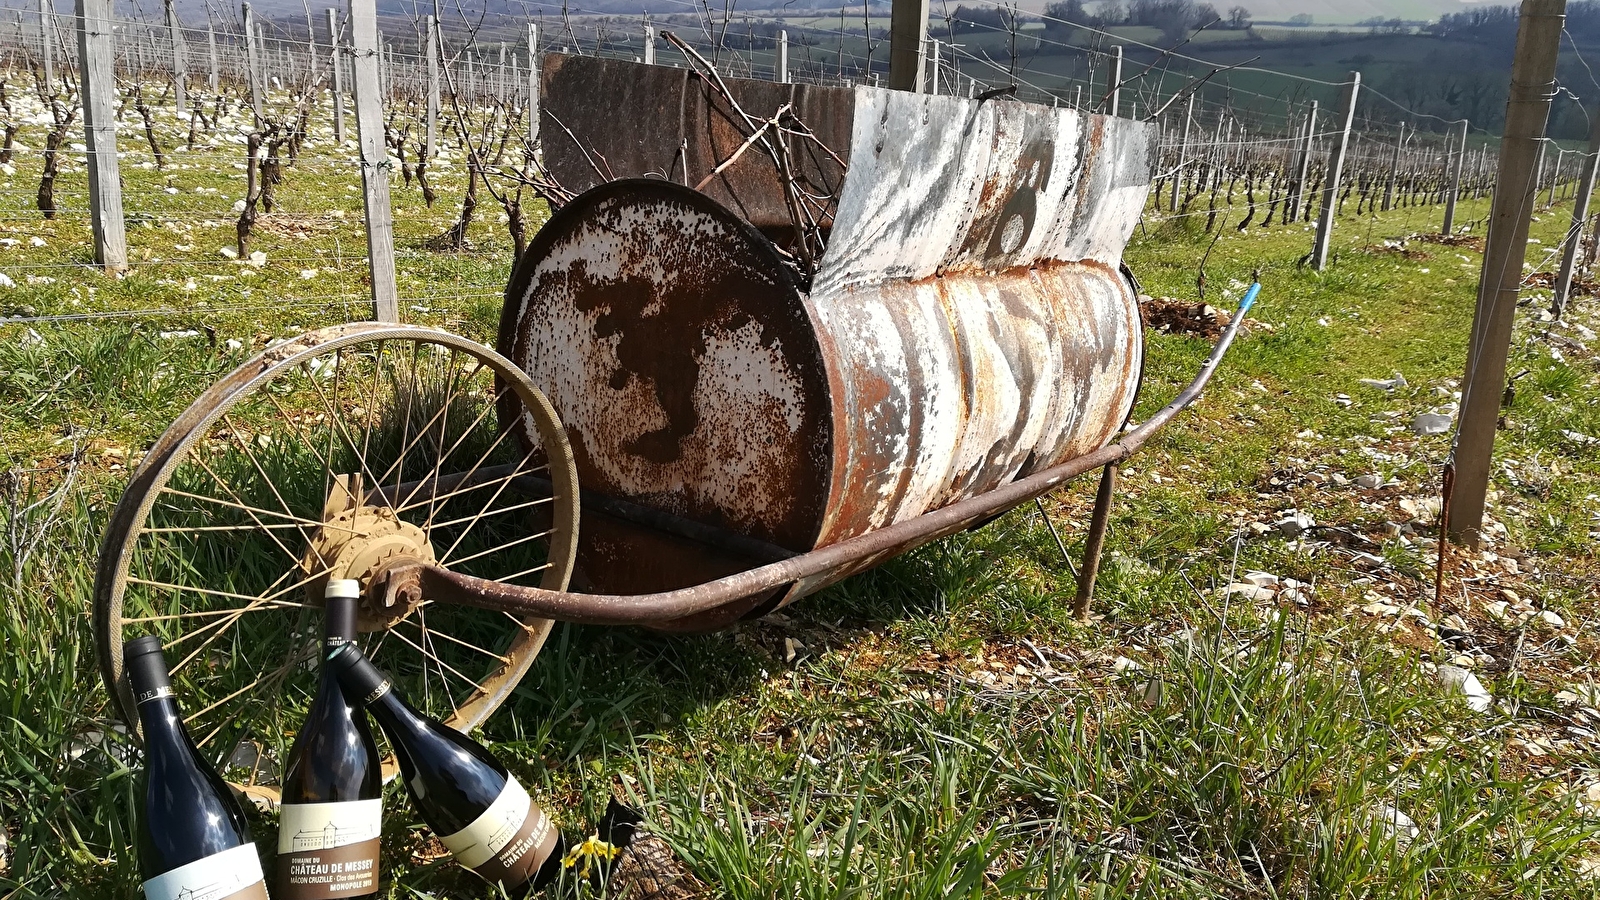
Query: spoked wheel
[337,455]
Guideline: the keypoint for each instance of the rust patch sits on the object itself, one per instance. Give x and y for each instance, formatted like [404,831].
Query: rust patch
[683,364]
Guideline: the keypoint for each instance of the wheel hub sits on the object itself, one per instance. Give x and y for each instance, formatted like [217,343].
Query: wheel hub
[362,542]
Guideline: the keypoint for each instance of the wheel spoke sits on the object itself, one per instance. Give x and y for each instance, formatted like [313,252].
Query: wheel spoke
[502,511]
[444,427]
[254,511]
[219,627]
[250,509]
[300,432]
[506,546]
[187,530]
[439,466]
[488,503]
[336,421]
[539,568]
[467,644]
[399,465]
[271,485]
[514,473]
[372,400]
[444,666]
[186,588]
[270,679]
[206,614]
[427,641]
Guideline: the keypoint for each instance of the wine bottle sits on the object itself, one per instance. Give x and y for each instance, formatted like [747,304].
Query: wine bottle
[333,784]
[192,835]
[480,812]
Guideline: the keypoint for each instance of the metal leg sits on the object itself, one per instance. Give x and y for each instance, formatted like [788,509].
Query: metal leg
[1095,541]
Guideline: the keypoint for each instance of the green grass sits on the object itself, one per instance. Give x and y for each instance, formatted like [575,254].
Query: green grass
[946,727]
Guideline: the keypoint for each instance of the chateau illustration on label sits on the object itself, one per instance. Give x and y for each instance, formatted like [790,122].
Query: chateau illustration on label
[329,836]
[234,872]
[229,884]
[314,827]
[493,841]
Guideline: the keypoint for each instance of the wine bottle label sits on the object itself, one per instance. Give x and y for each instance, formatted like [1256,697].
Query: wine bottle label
[230,875]
[509,842]
[328,849]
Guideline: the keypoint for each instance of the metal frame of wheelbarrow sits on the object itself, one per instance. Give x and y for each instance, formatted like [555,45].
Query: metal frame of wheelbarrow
[407,582]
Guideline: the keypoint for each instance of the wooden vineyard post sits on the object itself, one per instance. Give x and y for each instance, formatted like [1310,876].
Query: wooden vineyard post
[1114,81]
[1580,216]
[1183,153]
[433,87]
[783,59]
[1538,172]
[1305,164]
[47,48]
[1330,189]
[533,87]
[252,54]
[374,160]
[1456,163]
[180,61]
[908,28]
[1527,109]
[1556,176]
[96,55]
[214,80]
[311,45]
[650,45]
[1394,168]
[336,59]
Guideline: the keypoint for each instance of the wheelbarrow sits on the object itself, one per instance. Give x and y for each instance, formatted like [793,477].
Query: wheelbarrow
[797,332]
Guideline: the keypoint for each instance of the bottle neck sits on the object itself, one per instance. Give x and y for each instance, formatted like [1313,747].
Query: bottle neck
[365,685]
[338,622]
[160,718]
[338,629]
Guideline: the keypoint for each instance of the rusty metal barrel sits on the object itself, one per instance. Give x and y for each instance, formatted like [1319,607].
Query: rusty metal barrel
[966,323]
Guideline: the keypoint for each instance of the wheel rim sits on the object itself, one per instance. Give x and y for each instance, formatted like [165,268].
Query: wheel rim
[337,454]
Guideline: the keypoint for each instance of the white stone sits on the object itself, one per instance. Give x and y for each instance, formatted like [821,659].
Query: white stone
[1395,824]
[1248,591]
[1261,579]
[1430,423]
[1386,384]
[1294,524]
[1460,681]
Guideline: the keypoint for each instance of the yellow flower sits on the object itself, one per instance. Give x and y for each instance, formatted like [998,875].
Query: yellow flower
[587,852]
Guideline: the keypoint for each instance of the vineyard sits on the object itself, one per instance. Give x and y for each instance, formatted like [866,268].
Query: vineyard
[1273,694]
